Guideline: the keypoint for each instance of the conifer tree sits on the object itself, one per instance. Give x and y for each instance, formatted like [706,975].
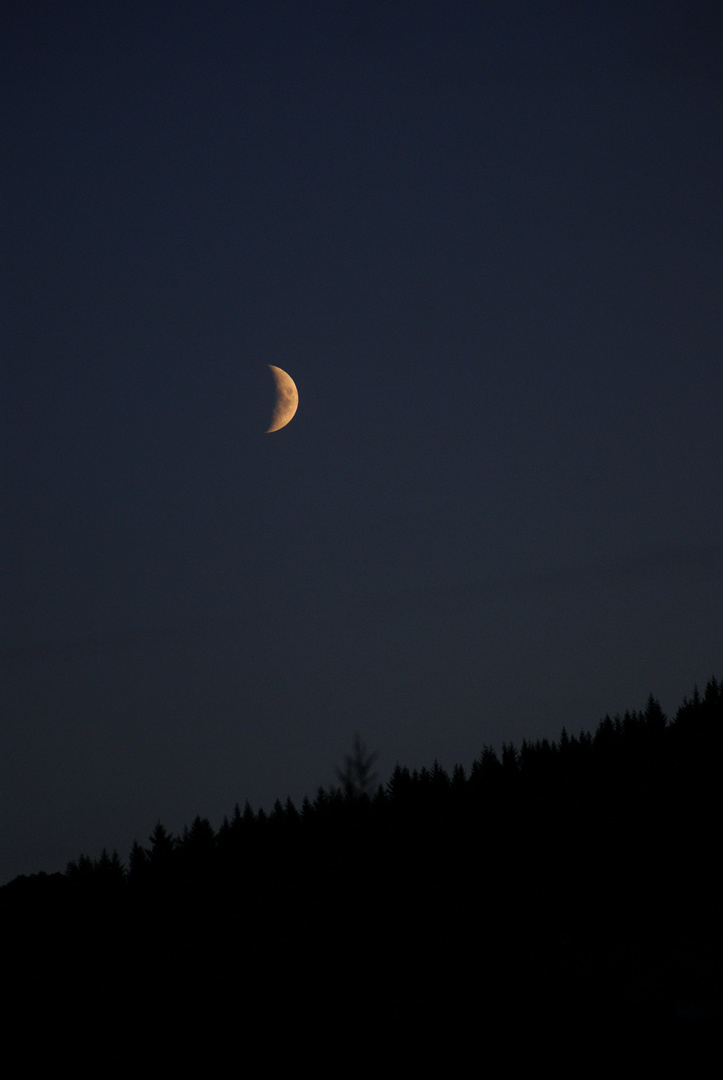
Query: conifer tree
[357,777]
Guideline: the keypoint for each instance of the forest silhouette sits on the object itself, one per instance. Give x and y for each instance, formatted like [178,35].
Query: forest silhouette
[555,882]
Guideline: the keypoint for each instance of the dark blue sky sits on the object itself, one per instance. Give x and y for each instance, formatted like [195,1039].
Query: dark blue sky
[485,240]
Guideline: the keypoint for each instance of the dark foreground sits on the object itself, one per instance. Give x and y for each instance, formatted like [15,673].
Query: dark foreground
[564,887]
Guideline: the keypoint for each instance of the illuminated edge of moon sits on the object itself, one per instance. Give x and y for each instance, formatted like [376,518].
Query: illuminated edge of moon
[287,399]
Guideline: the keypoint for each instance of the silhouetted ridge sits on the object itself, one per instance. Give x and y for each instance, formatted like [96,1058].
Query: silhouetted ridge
[578,876]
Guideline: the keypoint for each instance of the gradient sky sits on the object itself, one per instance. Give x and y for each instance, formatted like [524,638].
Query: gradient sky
[486,241]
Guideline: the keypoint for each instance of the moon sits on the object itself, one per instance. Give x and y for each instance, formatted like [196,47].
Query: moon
[287,399]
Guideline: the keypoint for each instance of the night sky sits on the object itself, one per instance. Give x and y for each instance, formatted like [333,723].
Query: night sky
[486,242]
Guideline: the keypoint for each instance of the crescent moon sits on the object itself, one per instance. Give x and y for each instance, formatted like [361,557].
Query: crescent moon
[287,399]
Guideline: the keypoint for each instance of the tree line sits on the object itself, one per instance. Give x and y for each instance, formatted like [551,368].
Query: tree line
[638,770]
[576,876]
